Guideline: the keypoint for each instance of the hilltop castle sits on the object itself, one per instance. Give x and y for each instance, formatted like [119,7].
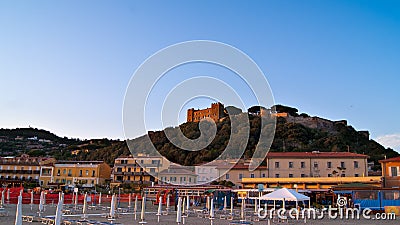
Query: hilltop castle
[216,112]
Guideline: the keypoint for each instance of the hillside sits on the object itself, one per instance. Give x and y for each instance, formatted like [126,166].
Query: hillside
[289,136]
[293,133]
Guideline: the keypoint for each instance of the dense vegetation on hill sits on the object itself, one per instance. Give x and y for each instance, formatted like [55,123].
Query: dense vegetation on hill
[289,136]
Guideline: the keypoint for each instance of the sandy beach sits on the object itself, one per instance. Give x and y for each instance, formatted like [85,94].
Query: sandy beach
[151,217]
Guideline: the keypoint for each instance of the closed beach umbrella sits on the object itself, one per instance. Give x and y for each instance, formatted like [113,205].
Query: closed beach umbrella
[129,200]
[225,204]
[179,212]
[208,203]
[18,213]
[212,211]
[84,205]
[2,198]
[112,206]
[135,206]
[242,210]
[143,208]
[31,197]
[76,200]
[255,205]
[58,218]
[231,205]
[159,209]
[100,198]
[8,195]
[187,204]
[183,206]
[41,201]
[212,208]
[167,206]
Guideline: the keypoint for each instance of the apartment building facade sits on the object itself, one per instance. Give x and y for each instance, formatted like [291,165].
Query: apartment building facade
[316,164]
[235,173]
[85,173]
[137,170]
[16,171]
[178,175]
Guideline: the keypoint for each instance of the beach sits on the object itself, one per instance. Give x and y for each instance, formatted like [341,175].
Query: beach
[127,217]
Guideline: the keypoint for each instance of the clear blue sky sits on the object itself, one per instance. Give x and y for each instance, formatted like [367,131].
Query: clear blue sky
[65,65]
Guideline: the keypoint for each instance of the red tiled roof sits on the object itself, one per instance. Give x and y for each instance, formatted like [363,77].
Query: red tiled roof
[395,159]
[315,155]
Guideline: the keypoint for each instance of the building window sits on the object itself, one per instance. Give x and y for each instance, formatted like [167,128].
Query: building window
[240,176]
[80,173]
[252,175]
[290,174]
[303,165]
[393,171]
[129,169]
[87,172]
[263,175]
[69,172]
[119,169]
[342,165]
[155,162]
[356,175]
[64,171]
[302,175]
[93,173]
[355,164]
[277,175]
[343,174]
[330,175]
[227,176]
[152,170]
[276,164]
[290,164]
[315,164]
[329,165]
[58,172]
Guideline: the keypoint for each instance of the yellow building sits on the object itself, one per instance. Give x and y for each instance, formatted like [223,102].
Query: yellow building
[391,172]
[309,183]
[15,171]
[85,173]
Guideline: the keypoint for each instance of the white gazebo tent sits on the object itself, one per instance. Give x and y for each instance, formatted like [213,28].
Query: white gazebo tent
[285,194]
